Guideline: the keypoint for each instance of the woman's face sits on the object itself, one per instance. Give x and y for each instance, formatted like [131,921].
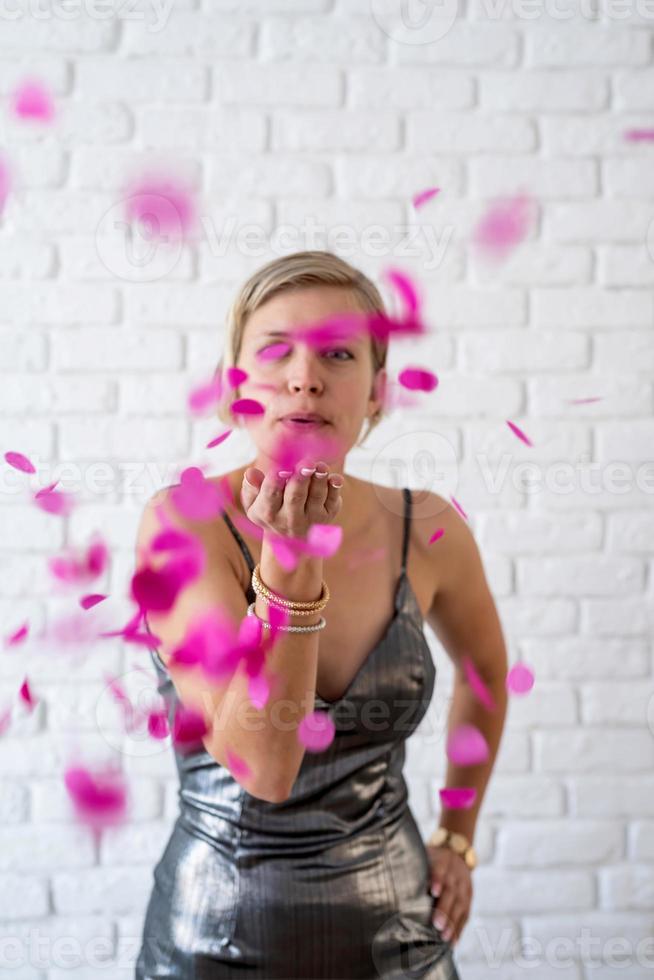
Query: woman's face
[334,378]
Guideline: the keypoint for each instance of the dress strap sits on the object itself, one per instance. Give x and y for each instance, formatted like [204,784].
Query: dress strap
[241,543]
[407,525]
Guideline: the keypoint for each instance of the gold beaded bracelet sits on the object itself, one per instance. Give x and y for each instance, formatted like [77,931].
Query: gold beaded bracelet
[313,628]
[297,608]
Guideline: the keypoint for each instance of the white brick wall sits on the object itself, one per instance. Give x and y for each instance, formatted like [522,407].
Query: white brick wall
[318,120]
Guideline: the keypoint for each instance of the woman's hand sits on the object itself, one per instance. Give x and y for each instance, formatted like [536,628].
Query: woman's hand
[451,884]
[288,505]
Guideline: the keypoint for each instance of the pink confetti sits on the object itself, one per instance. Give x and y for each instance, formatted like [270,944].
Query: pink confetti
[99,797]
[189,727]
[5,720]
[55,502]
[238,766]
[519,433]
[316,731]
[211,642]
[164,204]
[585,401]
[26,696]
[324,539]
[273,351]
[438,533]
[504,225]
[638,135]
[75,569]
[205,397]
[459,507]
[458,798]
[158,724]
[20,462]
[520,679]
[418,379]
[479,689]
[32,100]
[221,438]
[157,589]
[405,287]
[91,600]
[15,638]
[235,376]
[423,196]
[246,406]
[466,746]
[196,498]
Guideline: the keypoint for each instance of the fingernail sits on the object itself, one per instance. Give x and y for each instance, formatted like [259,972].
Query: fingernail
[285,474]
[320,476]
[336,481]
[307,470]
[248,483]
[439,921]
[435,889]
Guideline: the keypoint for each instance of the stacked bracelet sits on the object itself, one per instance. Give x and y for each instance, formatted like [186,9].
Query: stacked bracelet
[322,622]
[296,608]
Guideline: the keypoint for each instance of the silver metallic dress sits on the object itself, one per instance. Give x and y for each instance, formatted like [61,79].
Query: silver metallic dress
[331,883]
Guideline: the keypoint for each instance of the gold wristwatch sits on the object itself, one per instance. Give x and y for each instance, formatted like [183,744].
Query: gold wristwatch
[457,843]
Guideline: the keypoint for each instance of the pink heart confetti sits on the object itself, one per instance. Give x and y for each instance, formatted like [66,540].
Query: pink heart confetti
[246,406]
[438,533]
[504,225]
[164,204]
[221,438]
[324,539]
[418,379]
[519,433]
[75,569]
[423,196]
[158,724]
[55,502]
[196,498]
[235,376]
[238,766]
[520,679]
[32,100]
[458,798]
[459,508]
[157,589]
[189,727]
[20,462]
[466,746]
[316,731]
[479,689]
[99,796]
[205,397]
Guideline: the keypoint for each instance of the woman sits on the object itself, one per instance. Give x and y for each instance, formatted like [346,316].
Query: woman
[312,865]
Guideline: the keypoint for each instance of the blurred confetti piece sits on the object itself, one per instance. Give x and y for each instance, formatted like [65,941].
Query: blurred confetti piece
[219,439]
[519,433]
[26,696]
[196,498]
[438,533]
[99,796]
[20,462]
[162,203]
[520,679]
[418,379]
[5,182]
[32,100]
[459,508]
[423,196]
[189,727]
[158,724]
[204,397]
[75,569]
[324,539]
[466,746]
[316,731]
[504,225]
[5,720]
[480,690]
[246,406]
[406,288]
[55,502]
[639,135]
[237,765]
[273,351]
[88,601]
[458,798]
[584,401]
[20,634]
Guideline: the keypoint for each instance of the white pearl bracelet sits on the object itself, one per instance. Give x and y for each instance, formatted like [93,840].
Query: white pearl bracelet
[289,629]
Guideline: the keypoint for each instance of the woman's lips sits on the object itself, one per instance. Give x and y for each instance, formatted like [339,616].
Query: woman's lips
[313,424]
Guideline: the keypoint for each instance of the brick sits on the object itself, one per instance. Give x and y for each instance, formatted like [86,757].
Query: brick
[470,397]
[53,72]
[493,443]
[37,167]
[111,258]
[532,891]
[582,575]
[581,658]
[375,176]
[615,702]
[277,85]
[612,795]
[596,221]
[588,44]
[577,136]
[43,848]
[22,896]
[540,264]
[316,39]
[64,36]
[264,175]
[59,303]
[537,617]
[626,265]
[543,843]
[26,259]
[335,130]
[23,351]
[158,395]
[409,88]
[514,350]
[197,128]
[633,90]
[591,307]
[625,440]
[220,36]
[546,705]
[592,750]
[628,178]
[120,349]
[106,890]
[543,178]
[51,802]
[631,532]
[641,840]
[622,395]
[464,44]
[80,122]
[602,927]
[532,795]
[142,843]
[539,534]
[617,617]
[463,306]
[62,211]
[544,91]
[14,803]
[626,887]
[55,396]
[140,80]
[459,133]
[113,166]
[123,438]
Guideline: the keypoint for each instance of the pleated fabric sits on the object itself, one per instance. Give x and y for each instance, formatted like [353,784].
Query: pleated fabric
[332,883]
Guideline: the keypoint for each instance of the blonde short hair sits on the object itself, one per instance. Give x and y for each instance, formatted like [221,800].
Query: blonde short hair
[297,270]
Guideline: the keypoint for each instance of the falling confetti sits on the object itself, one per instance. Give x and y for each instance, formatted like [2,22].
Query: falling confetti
[437,535]
[476,683]
[520,679]
[91,600]
[423,196]
[458,798]
[459,508]
[164,204]
[32,100]
[639,135]
[519,433]
[221,438]
[466,746]
[20,462]
[18,636]
[246,406]
[418,379]
[26,696]
[316,731]
[504,225]
[196,498]
[99,797]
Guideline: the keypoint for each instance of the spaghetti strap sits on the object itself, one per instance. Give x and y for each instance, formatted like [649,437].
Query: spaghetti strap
[407,525]
[241,543]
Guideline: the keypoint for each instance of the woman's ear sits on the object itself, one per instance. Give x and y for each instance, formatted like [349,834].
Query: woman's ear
[379,390]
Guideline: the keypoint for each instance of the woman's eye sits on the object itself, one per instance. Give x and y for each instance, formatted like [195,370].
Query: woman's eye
[340,350]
